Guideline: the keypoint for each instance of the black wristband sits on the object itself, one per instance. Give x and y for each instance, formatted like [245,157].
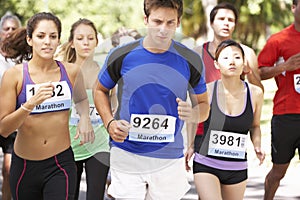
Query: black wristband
[113,119]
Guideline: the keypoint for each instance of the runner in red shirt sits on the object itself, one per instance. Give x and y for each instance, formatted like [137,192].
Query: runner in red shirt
[280,58]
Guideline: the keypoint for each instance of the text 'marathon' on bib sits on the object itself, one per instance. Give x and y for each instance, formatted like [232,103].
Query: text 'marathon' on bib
[152,128]
[61,98]
[227,144]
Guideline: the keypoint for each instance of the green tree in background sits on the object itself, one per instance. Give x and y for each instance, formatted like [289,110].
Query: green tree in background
[23,8]
[257,18]
[108,16]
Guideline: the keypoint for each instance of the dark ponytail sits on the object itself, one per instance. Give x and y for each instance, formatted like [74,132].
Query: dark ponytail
[15,46]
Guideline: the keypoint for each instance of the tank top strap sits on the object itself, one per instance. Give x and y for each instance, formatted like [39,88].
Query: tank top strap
[63,70]
[26,76]
[205,47]
[64,74]
[214,103]
[249,101]
[214,95]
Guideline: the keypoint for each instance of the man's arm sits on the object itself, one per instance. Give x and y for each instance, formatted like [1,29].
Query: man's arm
[291,64]
[193,114]
[102,103]
[191,127]
[270,72]
[253,75]
[117,129]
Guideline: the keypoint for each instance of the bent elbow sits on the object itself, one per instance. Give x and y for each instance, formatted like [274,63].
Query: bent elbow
[4,131]
[207,114]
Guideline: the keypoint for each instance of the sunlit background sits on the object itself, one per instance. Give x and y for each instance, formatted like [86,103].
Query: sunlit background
[258,18]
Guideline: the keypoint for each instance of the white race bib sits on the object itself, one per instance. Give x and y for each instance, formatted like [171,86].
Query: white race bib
[60,100]
[94,116]
[152,128]
[227,144]
[297,82]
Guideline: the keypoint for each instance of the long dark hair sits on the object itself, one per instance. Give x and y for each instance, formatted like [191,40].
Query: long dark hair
[15,46]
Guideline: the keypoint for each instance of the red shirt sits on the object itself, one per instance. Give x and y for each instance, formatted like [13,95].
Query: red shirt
[211,73]
[283,44]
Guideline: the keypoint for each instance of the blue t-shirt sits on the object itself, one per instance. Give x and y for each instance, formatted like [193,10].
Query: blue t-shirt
[149,83]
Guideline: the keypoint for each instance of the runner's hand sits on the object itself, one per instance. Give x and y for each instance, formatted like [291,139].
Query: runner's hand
[118,130]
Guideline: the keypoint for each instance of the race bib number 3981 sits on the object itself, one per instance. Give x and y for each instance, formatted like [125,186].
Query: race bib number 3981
[152,128]
[60,100]
[227,144]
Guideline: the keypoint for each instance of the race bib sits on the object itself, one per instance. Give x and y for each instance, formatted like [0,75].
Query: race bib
[60,100]
[297,82]
[152,128]
[227,144]
[94,116]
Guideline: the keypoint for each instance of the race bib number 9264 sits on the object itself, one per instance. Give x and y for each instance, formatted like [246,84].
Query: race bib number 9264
[152,128]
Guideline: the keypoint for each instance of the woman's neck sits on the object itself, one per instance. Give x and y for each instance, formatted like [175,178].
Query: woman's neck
[84,61]
[42,64]
[232,84]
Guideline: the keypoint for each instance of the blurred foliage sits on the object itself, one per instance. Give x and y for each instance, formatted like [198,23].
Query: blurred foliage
[107,16]
[23,8]
[194,19]
[257,18]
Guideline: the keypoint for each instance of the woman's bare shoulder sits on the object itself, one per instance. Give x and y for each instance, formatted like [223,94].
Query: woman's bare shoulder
[256,92]
[13,76]
[14,71]
[71,68]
